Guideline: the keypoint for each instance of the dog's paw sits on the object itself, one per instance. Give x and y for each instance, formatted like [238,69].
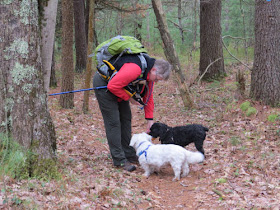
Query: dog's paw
[185,173]
[146,175]
[175,179]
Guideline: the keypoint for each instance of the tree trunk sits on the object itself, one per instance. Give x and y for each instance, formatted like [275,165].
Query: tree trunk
[211,47]
[170,53]
[148,37]
[244,31]
[226,10]
[23,105]
[80,35]
[137,21]
[119,23]
[53,81]
[67,83]
[87,23]
[48,32]
[194,27]
[86,18]
[265,76]
[90,50]
[180,20]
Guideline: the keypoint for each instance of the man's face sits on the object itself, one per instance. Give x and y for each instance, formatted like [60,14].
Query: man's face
[154,76]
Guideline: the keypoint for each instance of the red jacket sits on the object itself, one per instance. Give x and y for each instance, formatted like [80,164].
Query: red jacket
[128,73]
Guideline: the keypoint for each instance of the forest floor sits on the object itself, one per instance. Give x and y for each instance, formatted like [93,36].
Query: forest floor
[241,169]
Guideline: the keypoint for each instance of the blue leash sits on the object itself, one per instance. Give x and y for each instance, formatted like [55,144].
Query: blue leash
[101,87]
[75,91]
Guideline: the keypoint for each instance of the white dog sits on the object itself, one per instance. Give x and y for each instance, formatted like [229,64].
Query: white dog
[153,156]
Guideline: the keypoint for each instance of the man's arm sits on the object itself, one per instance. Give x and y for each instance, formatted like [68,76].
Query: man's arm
[128,73]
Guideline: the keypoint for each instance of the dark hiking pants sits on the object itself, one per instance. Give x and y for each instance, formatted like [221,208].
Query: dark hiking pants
[117,122]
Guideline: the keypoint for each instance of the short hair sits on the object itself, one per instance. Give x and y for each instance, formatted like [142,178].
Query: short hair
[163,68]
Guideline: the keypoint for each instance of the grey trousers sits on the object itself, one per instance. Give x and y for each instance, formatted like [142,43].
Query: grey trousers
[117,122]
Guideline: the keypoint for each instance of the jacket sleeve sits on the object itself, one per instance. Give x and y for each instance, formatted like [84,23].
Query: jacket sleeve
[149,99]
[128,73]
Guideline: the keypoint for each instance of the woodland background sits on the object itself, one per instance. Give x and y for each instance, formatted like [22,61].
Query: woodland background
[225,56]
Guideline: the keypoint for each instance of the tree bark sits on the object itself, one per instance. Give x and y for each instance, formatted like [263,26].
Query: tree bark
[170,53]
[265,76]
[90,50]
[180,20]
[80,35]
[244,32]
[48,32]
[148,37]
[53,81]
[67,83]
[120,22]
[137,21]
[194,27]
[211,47]
[86,18]
[24,113]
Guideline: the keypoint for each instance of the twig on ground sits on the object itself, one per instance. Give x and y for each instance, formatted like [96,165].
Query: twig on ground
[218,193]
[198,82]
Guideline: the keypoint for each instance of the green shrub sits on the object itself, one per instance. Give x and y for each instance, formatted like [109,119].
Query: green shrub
[273,117]
[13,158]
[251,111]
[214,84]
[221,180]
[235,141]
[244,106]
[20,163]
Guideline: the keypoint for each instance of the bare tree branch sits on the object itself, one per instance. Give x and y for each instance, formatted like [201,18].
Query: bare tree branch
[114,5]
[232,37]
[233,55]
[177,25]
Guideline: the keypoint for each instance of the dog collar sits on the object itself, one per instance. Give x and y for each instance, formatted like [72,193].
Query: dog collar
[141,143]
[144,152]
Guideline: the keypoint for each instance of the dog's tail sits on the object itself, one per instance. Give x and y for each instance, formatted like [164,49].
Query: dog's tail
[194,157]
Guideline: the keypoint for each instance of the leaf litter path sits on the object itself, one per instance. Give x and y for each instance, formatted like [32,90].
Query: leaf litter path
[241,169]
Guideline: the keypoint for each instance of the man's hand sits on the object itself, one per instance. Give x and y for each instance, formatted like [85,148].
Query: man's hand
[149,125]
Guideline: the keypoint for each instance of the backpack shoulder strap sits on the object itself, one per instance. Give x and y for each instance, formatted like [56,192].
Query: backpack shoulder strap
[143,63]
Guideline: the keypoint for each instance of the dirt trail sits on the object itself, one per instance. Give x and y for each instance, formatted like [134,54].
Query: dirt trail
[241,169]
[233,174]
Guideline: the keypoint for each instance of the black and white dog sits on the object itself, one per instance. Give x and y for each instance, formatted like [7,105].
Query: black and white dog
[180,135]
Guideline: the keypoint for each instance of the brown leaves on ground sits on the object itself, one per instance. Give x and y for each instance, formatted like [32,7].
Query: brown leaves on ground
[241,169]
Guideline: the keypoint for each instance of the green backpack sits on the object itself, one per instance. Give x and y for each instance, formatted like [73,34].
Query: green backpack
[118,45]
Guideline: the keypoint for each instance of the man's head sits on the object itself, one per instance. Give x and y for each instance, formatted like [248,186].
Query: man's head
[161,70]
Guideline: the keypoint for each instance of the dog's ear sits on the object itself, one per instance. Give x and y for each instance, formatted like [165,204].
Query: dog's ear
[163,136]
[199,146]
[162,130]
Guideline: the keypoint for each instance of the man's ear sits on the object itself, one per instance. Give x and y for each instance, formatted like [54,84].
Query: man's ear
[153,69]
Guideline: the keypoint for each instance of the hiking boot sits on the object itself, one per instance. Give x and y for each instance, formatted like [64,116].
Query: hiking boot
[128,166]
[133,160]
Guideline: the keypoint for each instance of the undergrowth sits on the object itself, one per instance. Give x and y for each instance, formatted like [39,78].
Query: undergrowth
[20,163]
[13,158]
